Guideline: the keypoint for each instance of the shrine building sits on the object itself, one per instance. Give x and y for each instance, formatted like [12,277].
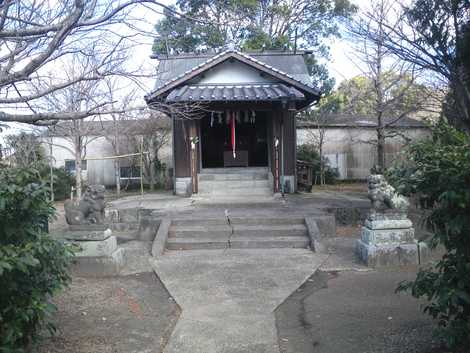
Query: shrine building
[233,119]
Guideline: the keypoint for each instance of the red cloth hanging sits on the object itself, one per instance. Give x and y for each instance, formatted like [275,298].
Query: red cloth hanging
[232,128]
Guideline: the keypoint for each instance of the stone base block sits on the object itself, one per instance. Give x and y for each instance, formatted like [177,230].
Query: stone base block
[289,184]
[387,255]
[183,186]
[96,248]
[87,235]
[388,224]
[387,236]
[88,227]
[387,215]
[99,266]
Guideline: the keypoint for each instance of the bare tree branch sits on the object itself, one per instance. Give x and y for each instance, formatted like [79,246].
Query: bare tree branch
[41,37]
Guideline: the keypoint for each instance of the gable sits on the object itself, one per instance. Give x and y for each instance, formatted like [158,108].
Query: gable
[233,72]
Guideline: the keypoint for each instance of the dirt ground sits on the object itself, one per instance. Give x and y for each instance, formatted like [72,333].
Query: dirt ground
[343,187]
[113,315]
[355,312]
[58,222]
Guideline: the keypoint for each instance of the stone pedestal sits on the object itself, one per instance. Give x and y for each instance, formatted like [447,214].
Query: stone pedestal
[98,253]
[387,239]
[183,186]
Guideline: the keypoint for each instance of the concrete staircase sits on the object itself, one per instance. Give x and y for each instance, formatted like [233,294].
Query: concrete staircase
[220,182]
[248,233]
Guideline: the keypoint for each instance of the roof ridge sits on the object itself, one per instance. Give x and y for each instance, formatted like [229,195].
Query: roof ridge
[272,52]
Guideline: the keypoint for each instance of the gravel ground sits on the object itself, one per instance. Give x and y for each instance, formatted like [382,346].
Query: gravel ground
[113,315]
[354,312]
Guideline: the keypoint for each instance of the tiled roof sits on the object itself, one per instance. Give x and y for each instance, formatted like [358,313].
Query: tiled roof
[288,66]
[252,92]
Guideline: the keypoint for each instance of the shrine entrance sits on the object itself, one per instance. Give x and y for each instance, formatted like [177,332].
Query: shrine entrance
[250,137]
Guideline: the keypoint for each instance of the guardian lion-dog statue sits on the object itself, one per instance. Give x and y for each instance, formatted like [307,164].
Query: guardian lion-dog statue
[383,196]
[90,209]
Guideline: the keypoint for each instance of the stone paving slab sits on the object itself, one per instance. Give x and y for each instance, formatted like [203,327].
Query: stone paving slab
[228,297]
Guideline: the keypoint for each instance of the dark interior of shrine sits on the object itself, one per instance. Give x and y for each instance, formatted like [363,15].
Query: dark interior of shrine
[251,148]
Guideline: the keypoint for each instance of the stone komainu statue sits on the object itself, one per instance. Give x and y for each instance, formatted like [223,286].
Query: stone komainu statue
[383,196]
[90,209]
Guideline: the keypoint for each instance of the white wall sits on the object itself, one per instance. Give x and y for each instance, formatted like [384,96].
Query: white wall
[98,171]
[234,73]
[348,150]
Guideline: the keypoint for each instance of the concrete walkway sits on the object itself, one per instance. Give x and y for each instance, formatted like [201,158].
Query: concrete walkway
[228,297]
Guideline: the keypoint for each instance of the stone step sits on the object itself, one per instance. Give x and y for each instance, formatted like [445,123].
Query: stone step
[233,184]
[254,231]
[237,170]
[261,191]
[233,176]
[240,242]
[235,201]
[238,220]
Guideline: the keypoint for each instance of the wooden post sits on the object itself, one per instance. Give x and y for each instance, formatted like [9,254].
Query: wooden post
[51,171]
[142,165]
[193,168]
[276,164]
[194,140]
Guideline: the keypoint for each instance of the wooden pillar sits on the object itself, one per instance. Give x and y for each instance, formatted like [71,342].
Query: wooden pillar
[289,134]
[275,151]
[194,141]
[289,142]
[182,157]
[181,148]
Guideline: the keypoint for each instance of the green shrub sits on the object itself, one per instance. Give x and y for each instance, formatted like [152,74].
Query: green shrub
[309,154]
[62,179]
[33,266]
[437,172]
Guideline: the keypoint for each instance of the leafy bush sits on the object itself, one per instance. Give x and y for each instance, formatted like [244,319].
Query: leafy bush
[62,179]
[33,266]
[437,172]
[309,154]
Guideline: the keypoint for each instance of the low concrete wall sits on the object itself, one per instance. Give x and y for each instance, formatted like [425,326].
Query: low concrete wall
[148,228]
[349,215]
[159,242]
[133,223]
[319,227]
[314,235]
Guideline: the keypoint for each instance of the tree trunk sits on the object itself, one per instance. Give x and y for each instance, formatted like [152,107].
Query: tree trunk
[117,173]
[462,100]
[380,98]
[152,175]
[117,162]
[152,158]
[380,147]
[78,168]
[322,167]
